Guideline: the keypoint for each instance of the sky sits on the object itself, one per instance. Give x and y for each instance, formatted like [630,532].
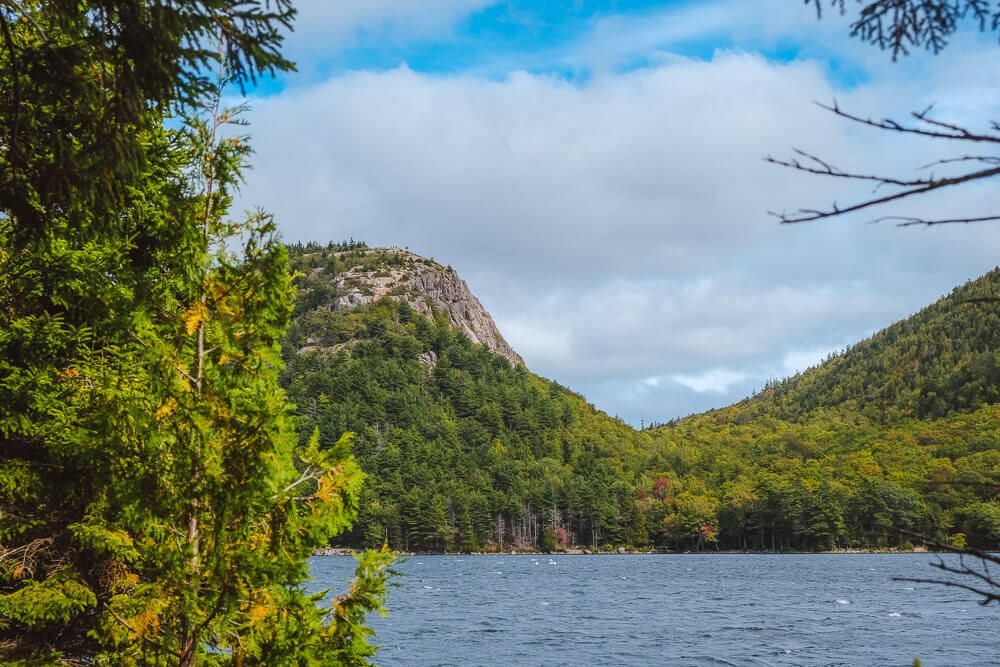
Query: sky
[594,170]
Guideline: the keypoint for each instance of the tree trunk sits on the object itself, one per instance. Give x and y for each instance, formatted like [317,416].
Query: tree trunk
[189,635]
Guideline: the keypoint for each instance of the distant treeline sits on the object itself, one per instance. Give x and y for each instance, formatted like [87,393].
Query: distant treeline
[892,440]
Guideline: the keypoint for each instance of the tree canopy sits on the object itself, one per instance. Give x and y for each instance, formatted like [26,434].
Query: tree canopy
[155,506]
[467,452]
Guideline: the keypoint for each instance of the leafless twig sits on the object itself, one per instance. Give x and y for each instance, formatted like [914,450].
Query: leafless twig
[923,126]
[984,585]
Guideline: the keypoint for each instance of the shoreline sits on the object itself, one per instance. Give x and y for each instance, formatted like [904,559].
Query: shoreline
[346,551]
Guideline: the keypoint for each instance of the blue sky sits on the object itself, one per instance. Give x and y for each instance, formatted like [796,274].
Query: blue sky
[498,38]
[594,171]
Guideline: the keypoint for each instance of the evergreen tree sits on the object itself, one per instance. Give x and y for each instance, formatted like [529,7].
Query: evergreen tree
[153,506]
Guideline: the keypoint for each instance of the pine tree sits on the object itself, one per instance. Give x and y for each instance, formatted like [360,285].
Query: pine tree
[154,507]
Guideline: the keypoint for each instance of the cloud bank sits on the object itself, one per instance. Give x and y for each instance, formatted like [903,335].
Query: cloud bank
[617,228]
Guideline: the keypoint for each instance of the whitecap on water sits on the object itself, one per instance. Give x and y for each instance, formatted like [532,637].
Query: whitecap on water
[430,588]
[843,602]
[895,614]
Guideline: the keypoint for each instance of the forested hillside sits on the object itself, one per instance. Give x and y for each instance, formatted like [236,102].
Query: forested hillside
[942,360]
[466,450]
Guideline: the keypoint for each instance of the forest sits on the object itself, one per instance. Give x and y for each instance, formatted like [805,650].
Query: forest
[185,421]
[885,445]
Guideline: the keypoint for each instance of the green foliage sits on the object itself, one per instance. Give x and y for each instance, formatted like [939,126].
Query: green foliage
[466,452]
[944,359]
[155,506]
[85,83]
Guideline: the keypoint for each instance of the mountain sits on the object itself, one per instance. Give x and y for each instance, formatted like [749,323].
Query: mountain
[942,360]
[466,449]
[353,275]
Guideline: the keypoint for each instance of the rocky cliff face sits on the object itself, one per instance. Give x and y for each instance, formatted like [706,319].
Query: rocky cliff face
[394,273]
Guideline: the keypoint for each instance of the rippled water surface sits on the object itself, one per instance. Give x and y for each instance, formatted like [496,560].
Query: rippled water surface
[675,610]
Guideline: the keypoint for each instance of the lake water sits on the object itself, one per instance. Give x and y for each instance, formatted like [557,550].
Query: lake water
[842,609]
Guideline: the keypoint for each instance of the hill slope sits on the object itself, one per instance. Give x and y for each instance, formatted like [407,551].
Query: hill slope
[466,449]
[942,360]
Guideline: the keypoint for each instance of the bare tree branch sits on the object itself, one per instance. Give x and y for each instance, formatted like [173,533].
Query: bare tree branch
[826,169]
[989,593]
[808,215]
[942,546]
[965,570]
[987,596]
[986,159]
[903,188]
[903,221]
[955,132]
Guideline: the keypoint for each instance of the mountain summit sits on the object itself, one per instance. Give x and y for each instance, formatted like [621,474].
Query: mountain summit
[346,276]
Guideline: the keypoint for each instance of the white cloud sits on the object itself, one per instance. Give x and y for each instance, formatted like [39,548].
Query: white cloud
[796,361]
[657,34]
[616,229]
[324,27]
[717,380]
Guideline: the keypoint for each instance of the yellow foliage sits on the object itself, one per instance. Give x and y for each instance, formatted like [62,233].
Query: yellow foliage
[195,315]
[327,486]
[128,580]
[261,537]
[146,623]
[18,572]
[166,409]
[262,608]
[216,288]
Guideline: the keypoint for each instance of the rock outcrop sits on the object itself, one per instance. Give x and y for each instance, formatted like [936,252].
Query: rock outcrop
[426,286]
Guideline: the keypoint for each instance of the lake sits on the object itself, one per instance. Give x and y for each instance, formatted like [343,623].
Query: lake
[721,609]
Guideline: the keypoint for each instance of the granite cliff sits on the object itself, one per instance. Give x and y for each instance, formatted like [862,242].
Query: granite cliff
[341,279]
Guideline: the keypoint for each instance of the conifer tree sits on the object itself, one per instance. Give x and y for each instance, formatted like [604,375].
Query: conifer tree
[154,508]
